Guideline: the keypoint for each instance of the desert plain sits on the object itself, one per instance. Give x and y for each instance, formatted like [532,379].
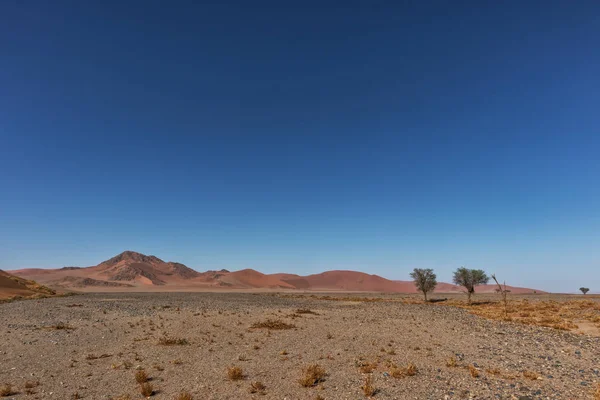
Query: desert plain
[299,345]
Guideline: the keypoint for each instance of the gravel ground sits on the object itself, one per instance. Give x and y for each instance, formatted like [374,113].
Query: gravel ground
[123,331]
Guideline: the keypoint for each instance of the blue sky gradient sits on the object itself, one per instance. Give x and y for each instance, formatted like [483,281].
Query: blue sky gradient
[375,136]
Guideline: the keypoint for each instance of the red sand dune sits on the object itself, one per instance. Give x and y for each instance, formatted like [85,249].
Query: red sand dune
[11,286]
[138,271]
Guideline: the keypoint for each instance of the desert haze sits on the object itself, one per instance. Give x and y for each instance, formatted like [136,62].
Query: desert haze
[132,271]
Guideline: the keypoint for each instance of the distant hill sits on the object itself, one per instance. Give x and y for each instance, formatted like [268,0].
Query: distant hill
[13,286]
[135,271]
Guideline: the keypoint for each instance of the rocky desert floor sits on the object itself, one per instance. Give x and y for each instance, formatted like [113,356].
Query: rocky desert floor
[282,346]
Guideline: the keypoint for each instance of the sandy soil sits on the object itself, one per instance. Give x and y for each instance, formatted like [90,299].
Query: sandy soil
[91,347]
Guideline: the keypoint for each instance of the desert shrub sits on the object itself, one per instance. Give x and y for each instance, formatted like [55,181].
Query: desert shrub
[7,390]
[312,375]
[258,387]
[235,373]
[473,371]
[368,388]
[146,389]
[184,396]
[141,376]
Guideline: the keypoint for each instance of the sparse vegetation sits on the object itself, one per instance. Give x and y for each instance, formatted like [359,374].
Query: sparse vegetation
[7,390]
[368,388]
[473,371]
[503,293]
[235,373]
[184,396]
[59,326]
[146,389]
[258,387]
[469,278]
[166,341]
[425,280]
[305,311]
[530,375]
[273,324]
[401,372]
[141,376]
[312,375]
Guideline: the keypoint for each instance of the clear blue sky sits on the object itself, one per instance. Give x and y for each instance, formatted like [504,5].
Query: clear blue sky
[376,136]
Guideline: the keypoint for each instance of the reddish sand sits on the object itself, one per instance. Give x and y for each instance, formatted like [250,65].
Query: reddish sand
[134,271]
[11,286]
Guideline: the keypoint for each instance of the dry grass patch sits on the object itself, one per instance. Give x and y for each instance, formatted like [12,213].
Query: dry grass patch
[258,387]
[368,388]
[473,371]
[451,362]
[7,390]
[401,372]
[166,341]
[367,367]
[306,311]
[597,393]
[274,324]
[146,389]
[31,384]
[552,314]
[312,375]
[141,376]
[235,373]
[531,375]
[184,396]
[59,326]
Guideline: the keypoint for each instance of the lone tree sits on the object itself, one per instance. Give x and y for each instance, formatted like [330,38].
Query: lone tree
[425,280]
[469,278]
[584,290]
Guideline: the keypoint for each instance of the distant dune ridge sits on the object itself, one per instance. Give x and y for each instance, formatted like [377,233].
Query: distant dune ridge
[135,271]
[14,286]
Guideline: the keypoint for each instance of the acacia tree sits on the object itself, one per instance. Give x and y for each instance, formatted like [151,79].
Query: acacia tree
[425,280]
[584,290]
[469,278]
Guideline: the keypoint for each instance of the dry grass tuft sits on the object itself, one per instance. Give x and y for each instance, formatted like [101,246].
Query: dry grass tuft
[305,311]
[597,393]
[141,376]
[7,390]
[165,341]
[235,373]
[31,384]
[312,375]
[401,372]
[368,388]
[60,326]
[531,375]
[258,387]
[451,362]
[274,324]
[473,371]
[184,396]
[368,367]
[146,389]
